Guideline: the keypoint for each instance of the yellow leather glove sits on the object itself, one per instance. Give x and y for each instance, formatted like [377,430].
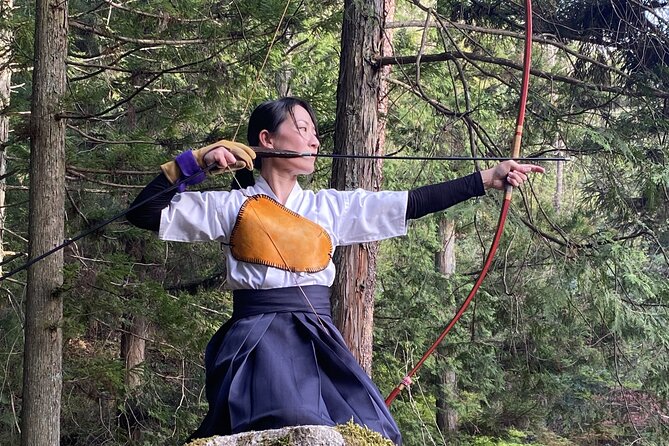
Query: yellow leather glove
[243,153]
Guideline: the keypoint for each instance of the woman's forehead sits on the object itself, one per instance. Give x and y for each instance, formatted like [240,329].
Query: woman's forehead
[301,114]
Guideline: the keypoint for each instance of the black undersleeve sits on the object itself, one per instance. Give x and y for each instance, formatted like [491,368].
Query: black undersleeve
[437,197]
[147,216]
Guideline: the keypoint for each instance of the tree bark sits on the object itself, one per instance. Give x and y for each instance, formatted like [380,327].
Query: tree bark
[356,130]
[446,416]
[5,82]
[133,349]
[133,353]
[559,176]
[384,90]
[136,328]
[42,363]
[551,60]
[445,258]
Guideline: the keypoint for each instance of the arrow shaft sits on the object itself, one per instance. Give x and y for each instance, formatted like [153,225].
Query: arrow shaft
[264,153]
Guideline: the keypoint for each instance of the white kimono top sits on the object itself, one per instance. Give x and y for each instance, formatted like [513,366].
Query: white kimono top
[347,216]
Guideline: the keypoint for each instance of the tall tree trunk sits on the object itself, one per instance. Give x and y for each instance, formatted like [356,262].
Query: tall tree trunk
[356,130]
[445,257]
[384,90]
[5,83]
[446,417]
[551,59]
[559,176]
[133,353]
[136,328]
[42,360]
[284,75]
[133,349]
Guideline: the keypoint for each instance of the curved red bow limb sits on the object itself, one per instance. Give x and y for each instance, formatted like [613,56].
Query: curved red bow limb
[508,192]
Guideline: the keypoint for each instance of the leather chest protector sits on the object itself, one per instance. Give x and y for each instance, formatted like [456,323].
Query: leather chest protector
[270,234]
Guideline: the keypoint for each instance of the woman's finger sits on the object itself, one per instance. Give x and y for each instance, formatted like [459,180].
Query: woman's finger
[525,168]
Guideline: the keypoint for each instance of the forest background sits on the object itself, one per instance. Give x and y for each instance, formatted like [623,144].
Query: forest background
[566,342]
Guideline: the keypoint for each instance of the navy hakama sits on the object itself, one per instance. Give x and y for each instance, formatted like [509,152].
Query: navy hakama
[275,363]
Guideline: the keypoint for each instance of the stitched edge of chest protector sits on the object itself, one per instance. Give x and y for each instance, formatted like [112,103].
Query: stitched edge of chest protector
[268,233]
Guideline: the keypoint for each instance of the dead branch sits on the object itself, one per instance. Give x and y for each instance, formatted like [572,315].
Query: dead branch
[449,56]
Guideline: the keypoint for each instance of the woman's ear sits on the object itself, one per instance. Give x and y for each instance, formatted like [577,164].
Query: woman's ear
[265,139]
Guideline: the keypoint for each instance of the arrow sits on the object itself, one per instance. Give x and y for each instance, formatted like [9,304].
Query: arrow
[269,153]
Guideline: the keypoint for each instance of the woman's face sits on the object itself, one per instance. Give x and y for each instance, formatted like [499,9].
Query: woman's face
[298,135]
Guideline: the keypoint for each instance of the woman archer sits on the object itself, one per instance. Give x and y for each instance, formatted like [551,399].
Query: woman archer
[279,361]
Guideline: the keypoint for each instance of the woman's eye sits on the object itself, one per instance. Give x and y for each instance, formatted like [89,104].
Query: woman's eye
[303,129]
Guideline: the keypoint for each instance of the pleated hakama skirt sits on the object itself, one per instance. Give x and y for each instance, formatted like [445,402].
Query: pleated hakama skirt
[279,362]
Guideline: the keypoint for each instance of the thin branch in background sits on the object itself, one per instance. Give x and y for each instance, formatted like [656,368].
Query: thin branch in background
[18,203]
[182,381]
[137,91]
[551,223]
[94,8]
[93,139]
[441,108]
[20,237]
[446,24]
[465,86]
[622,387]
[70,167]
[101,69]
[12,351]
[146,42]
[164,17]
[659,246]
[80,176]
[648,91]
[14,414]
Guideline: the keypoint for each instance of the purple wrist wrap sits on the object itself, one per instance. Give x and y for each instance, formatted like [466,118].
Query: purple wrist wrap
[188,165]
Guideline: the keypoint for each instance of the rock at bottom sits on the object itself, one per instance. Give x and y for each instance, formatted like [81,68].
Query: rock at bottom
[287,436]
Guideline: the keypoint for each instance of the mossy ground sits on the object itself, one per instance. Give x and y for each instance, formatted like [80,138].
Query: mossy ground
[356,435]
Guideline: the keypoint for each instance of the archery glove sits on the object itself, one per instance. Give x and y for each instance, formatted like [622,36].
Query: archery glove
[190,162]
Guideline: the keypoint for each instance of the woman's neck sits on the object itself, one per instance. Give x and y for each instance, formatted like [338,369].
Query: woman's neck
[280,183]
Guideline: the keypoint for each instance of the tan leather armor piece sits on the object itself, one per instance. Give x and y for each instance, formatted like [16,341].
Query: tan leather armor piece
[270,234]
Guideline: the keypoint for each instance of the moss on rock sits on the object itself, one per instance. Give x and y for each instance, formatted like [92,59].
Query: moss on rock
[356,435]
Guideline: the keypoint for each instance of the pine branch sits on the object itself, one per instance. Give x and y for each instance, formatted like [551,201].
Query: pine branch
[137,90]
[146,42]
[450,55]
[71,168]
[106,141]
[502,32]
[80,176]
[162,17]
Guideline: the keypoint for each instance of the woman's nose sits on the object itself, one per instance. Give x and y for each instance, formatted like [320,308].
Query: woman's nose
[314,142]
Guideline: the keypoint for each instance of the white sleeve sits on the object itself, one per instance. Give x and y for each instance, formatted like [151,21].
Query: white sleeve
[366,216]
[193,217]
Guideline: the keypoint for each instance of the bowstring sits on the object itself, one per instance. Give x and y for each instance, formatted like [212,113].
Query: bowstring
[260,70]
[293,274]
[69,241]
[234,137]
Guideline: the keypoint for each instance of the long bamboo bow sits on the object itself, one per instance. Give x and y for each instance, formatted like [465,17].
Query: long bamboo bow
[508,192]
